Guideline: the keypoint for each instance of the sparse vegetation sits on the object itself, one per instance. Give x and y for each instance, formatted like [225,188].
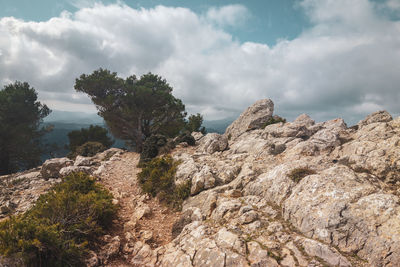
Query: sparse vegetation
[88,149]
[61,226]
[158,179]
[273,120]
[299,173]
[88,141]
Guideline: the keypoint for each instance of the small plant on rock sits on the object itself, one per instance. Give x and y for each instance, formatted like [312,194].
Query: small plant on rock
[273,120]
[299,173]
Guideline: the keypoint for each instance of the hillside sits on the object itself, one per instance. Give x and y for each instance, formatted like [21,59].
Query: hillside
[284,194]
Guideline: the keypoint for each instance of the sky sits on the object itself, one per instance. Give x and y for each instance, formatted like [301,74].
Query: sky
[326,58]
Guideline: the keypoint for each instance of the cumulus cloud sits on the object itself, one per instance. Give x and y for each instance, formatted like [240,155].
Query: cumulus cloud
[345,65]
[230,15]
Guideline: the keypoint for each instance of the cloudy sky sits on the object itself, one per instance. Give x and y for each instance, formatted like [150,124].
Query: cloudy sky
[327,58]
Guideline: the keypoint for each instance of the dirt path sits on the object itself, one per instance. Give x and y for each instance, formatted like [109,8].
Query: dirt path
[120,177]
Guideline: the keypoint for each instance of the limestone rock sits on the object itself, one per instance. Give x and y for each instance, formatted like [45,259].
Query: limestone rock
[51,167]
[203,179]
[213,142]
[71,169]
[253,118]
[197,136]
[329,255]
[378,116]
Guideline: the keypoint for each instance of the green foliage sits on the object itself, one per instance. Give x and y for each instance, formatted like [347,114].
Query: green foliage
[299,173]
[186,137]
[151,147]
[158,179]
[134,109]
[94,133]
[20,133]
[61,225]
[194,124]
[273,120]
[88,149]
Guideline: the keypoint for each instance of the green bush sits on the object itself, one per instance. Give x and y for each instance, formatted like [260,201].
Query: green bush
[88,149]
[151,147]
[58,229]
[158,179]
[273,120]
[186,137]
[299,173]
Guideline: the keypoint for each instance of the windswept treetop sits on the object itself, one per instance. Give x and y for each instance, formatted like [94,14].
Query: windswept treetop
[134,109]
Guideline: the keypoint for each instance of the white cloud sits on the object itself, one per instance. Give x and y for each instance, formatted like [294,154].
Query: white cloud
[230,15]
[345,65]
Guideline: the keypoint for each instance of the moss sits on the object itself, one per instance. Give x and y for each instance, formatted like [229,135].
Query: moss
[299,173]
[62,224]
[158,179]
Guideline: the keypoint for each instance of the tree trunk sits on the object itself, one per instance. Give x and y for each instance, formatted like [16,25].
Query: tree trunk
[139,135]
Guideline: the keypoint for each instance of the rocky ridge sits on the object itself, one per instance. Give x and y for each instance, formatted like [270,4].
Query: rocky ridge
[246,209]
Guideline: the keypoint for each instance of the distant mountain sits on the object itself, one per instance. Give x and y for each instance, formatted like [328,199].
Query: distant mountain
[217,126]
[58,116]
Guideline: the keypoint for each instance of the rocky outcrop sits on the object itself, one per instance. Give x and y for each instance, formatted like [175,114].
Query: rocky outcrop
[298,193]
[254,117]
[51,167]
[213,142]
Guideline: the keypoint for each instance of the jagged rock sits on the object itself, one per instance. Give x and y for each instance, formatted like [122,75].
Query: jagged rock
[213,142]
[71,169]
[83,161]
[197,136]
[259,257]
[228,240]
[203,179]
[253,118]
[378,116]
[107,154]
[186,169]
[51,167]
[328,254]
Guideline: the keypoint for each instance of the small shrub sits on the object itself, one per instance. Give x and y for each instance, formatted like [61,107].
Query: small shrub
[299,173]
[273,120]
[186,137]
[88,149]
[158,179]
[151,147]
[57,230]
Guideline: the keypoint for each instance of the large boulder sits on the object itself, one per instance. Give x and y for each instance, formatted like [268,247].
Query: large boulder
[213,142]
[254,117]
[51,167]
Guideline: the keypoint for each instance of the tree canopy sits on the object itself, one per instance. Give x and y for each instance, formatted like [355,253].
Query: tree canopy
[20,132]
[134,109]
[194,124]
[94,133]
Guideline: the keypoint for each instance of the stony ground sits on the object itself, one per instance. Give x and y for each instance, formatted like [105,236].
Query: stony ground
[247,208]
[140,218]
